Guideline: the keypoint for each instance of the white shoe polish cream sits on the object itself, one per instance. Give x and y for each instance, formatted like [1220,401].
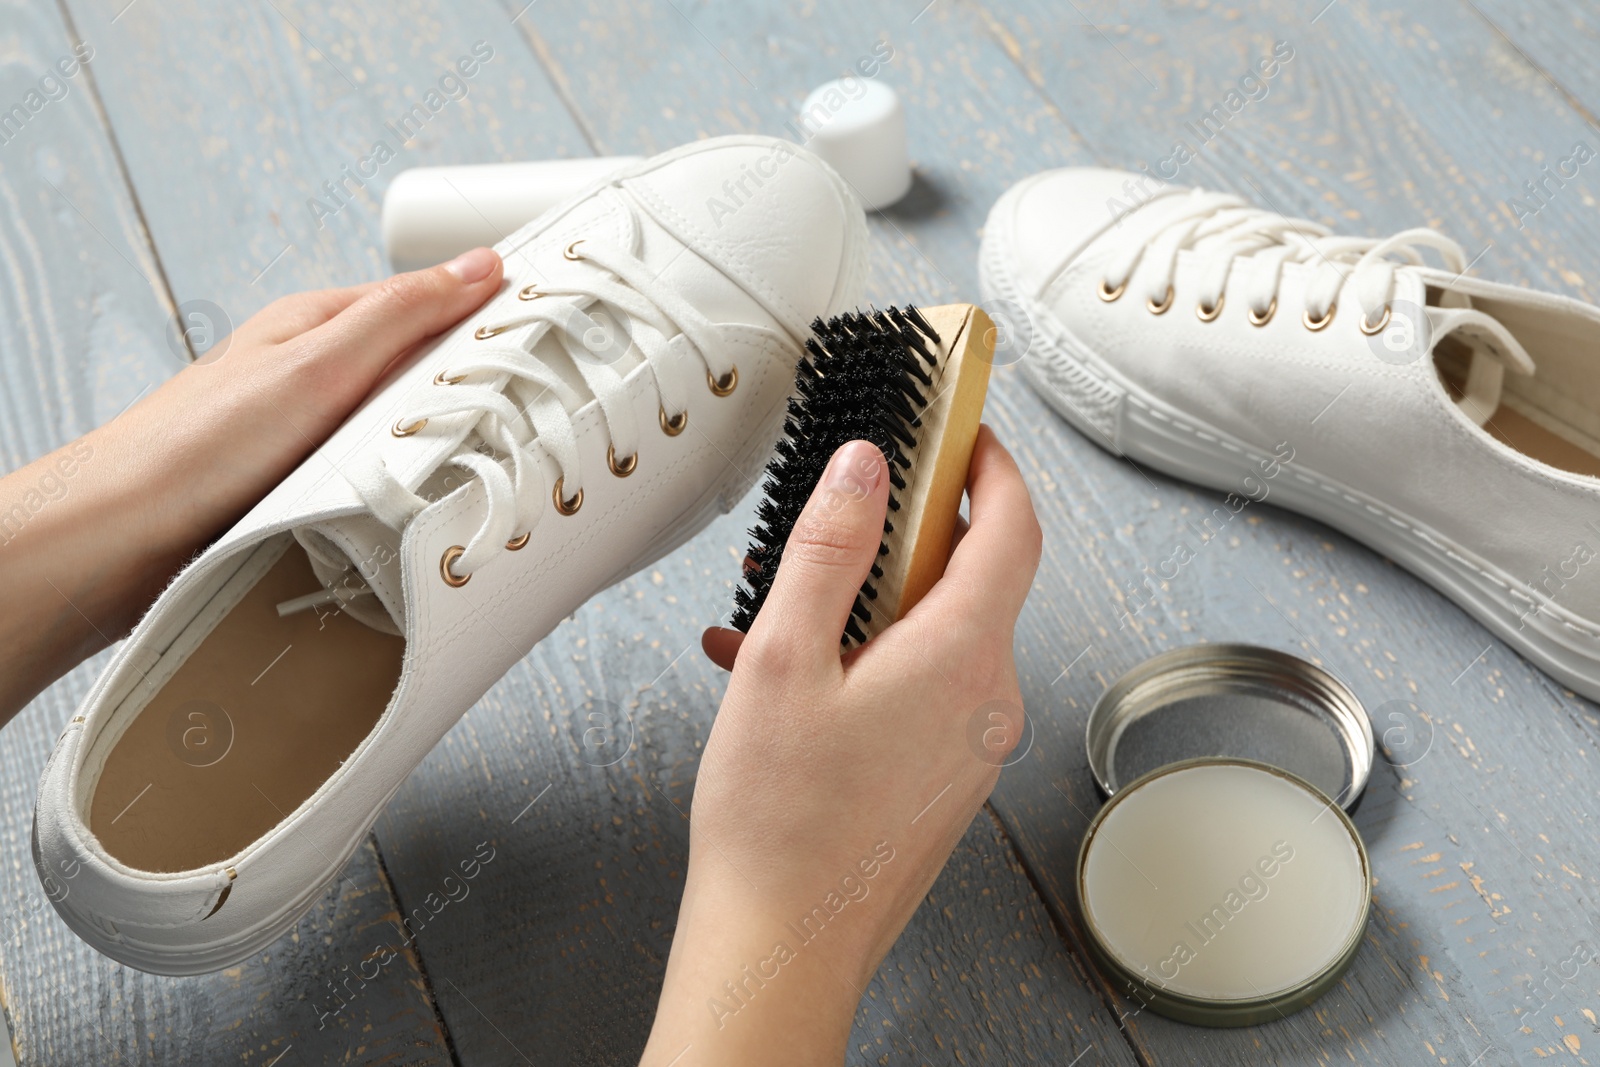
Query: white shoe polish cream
[1223,891]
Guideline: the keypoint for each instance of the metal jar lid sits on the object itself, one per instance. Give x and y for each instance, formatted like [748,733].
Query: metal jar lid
[1199,823]
[1236,701]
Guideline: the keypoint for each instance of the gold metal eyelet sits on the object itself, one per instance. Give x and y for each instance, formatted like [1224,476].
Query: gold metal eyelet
[443,378]
[567,507]
[1316,324]
[519,542]
[726,384]
[1209,314]
[572,250]
[451,578]
[404,429]
[1263,319]
[672,425]
[529,292]
[1159,309]
[1108,294]
[483,333]
[1377,327]
[626,467]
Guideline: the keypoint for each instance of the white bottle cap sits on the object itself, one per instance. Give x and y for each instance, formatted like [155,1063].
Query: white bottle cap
[859,128]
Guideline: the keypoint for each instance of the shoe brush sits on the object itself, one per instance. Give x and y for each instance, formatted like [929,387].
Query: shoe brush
[911,382]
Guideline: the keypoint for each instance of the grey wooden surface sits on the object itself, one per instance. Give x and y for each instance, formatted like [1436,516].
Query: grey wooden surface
[177,168]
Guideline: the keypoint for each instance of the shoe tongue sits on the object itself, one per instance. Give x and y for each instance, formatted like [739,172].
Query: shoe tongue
[357,559]
[1489,348]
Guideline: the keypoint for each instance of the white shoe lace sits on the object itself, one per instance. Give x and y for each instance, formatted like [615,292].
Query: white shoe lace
[1227,228]
[1224,229]
[537,414]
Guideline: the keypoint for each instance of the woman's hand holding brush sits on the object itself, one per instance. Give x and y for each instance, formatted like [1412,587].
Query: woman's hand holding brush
[833,788]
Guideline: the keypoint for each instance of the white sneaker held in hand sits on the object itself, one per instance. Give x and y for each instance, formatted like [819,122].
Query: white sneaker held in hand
[624,388]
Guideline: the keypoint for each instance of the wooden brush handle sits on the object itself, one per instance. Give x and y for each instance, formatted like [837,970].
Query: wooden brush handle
[926,521]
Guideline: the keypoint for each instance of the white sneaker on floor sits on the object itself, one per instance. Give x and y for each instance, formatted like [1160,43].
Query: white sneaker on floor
[1225,344]
[624,388]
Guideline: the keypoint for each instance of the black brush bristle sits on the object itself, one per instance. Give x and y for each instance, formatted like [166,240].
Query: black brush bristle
[864,377]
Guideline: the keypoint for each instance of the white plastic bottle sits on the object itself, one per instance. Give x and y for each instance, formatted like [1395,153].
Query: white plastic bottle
[431,214]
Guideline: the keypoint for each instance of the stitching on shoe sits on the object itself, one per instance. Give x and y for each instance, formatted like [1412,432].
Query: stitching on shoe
[1077,294]
[702,239]
[1418,375]
[106,922]
[1550,609]
[1099,410]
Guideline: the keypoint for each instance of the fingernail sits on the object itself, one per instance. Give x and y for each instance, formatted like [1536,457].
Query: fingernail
[858,465]
[473,266]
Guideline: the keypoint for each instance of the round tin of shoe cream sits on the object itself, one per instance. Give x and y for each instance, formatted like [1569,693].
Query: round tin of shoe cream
[1223,892]
[1232,700]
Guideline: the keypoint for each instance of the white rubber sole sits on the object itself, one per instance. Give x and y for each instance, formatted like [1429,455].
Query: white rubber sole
[1126,420]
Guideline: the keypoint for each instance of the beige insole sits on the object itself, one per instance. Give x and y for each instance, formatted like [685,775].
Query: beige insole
[1517,431]
[257,718]
[1528,437]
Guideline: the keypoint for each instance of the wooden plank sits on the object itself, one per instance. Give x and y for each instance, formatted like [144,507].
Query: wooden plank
[1482,841]
[1388,115]
[1559,40]
[83,315]
[258,109]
